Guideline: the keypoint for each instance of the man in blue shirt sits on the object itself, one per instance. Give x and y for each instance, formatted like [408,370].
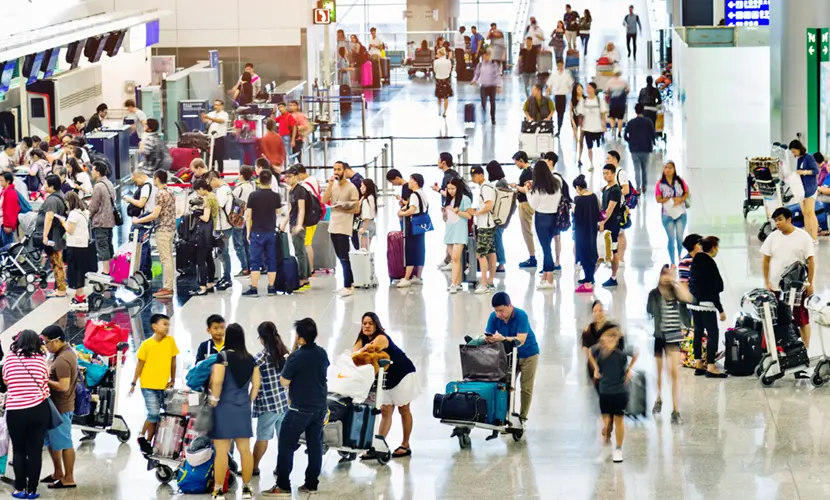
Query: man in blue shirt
[511,322]
[476,43]
[304,374]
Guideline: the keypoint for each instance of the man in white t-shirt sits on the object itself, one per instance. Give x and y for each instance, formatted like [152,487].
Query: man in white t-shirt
[224,197]
[613,158]
[485,230]
[137,117]
[217,121]
[7,157]
[782,248]
[375,44]
[535,32]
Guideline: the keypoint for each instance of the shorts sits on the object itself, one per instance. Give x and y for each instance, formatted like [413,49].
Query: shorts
[667,342]
[801,316]
[60,438]
[371,229]
[593,138]
[613,404]
[268,425]
[153,399]
[485,241]
[617,113]
[264,251]
[103,243]
[309,234]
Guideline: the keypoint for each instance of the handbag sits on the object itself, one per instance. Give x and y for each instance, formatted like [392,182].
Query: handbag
[103,337]
[484,363]
[55,419]
[421,222]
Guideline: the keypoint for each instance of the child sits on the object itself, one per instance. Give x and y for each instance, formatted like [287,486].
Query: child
[611,368]
[368,212]
[157,369]
[216,329]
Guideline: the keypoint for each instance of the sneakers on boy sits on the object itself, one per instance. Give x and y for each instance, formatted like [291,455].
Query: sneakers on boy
[272,290]
[531,262]
[276,492]
[306,489]
[618,457]
[144,445]
[246,493]
[610,283]
[250,292]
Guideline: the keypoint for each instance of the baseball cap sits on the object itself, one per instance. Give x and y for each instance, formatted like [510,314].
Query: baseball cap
[291,171]
[477,170]
[520,156]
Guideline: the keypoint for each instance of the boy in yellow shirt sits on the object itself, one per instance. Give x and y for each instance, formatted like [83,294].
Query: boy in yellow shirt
[157,369]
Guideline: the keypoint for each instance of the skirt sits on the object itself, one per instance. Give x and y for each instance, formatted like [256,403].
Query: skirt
[415,250]
[443,88]
[407,390]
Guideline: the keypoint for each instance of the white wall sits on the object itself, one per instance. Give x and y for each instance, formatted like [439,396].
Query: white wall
[725,101]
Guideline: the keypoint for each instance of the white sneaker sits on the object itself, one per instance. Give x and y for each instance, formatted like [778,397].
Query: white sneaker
[603,454]
[416,280]
[445,267]
[481,290]
[404,283]
[545,285]
[618,458]
[345,292]
[454,289]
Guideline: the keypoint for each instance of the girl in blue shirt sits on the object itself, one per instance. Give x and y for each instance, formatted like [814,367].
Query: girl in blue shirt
[457,231]
[807,168]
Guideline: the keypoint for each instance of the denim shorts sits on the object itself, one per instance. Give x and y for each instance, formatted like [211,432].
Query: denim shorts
[153,399]
[268,425]
[264,251]
[60,438]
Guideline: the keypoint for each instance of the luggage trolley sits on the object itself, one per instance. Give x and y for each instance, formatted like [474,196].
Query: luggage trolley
[821,311]
[104,416]
[512,423]
[754,199]
[135,281]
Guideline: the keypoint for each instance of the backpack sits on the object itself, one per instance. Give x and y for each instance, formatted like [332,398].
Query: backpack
[504,206]
[563,217]
[96,157]
[25,206]
[316,192]
[313,210]
[196,480]
[236,215]
[633,196]
[198,376]
[83,398]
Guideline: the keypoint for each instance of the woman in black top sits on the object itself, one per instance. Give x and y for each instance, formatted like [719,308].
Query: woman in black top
[706,285]
[651,100]
[244,94]
[586,217]
[401,385]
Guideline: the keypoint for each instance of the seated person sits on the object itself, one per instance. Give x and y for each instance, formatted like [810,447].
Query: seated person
[611,53]
[538,107]
[213,345]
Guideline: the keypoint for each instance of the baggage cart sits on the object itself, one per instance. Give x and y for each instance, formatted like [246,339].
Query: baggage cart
[135,280]
[604,73]
[768,173]
[820,309]
[110,421]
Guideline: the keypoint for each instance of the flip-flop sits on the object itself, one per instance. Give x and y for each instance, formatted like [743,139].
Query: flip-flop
[407,452]
[48,479]
[57,485]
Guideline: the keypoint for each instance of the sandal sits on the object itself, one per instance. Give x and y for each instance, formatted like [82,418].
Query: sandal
[57,485]
[406,452]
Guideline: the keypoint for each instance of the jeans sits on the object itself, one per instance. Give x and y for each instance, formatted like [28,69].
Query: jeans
[545,230]
[641,162]
[300,253]
[225,254]
[293,425]
[528,80]
[706,321]
[286,142]
[27,429]
[629,37]
[584,39]
[500,245]
[561,103]
[242,247]
[164,244]
[340,242]
[264,251]
[674,230]
[489,93]
[570,36]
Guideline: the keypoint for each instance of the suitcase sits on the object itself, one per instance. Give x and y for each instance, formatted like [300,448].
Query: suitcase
[637,401]
[185,259]
[395,255]
[494,393]
[169,437]
[363,268]
[572,59]
[324,257]
[463,406]
[536,145]
[470,262]
[102,416]
[362,427]
[385,66]
[462,73]
[469,113]
[366,74]
[182,157]
[288,270]
[196,140]
[821,215]
[544,62]
[345,104]
[743,351]
[376,73]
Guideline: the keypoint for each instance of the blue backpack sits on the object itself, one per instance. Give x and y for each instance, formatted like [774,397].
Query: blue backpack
[83,398]
[196,480]
[25,206]
[198,376]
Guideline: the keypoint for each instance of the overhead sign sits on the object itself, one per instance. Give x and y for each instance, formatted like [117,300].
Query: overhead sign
[331,6]
[825,45]
[813,59]
[322,16]
[746,12]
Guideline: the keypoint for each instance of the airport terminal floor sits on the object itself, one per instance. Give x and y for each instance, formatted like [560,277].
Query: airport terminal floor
[738,440]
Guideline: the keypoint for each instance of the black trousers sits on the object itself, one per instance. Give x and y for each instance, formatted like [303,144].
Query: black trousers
[489,93]
[629,37]
[706,322]
[340,242]
[205,267]
[219,154]
[27,428]
[561,104]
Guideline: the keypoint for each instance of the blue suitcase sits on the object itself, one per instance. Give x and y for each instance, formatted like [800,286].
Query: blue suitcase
[495,393]
[361,427]
[821,215]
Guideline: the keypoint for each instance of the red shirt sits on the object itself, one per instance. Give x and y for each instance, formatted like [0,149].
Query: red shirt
[10,207]
[72,130]
[286,123]
[272,148]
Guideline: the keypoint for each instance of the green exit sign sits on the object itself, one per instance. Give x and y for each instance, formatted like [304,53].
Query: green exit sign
[330,5]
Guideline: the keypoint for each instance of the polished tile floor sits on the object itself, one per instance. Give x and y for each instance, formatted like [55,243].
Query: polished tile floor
[738,440]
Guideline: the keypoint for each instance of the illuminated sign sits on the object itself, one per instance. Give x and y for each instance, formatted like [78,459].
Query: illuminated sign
[746,12]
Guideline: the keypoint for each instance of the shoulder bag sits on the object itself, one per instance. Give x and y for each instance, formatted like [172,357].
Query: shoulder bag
[421,222]
[116,214]
[55,419]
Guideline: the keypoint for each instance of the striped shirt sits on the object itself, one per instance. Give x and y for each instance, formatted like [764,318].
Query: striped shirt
[670,316]
[684,269]
[26,379]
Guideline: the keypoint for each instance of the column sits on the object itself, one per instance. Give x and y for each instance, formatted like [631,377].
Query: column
[431,15]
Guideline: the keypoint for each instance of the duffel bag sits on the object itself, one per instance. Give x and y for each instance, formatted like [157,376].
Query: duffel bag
[463,406]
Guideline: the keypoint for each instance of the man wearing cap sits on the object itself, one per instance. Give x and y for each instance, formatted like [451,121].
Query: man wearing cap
[509,322]
[525,211]
[63,375]
[485,231]
[300,200]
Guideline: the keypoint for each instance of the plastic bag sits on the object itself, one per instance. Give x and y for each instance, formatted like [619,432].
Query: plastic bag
[102,337]
[484,363]
[348,380]
[793,182]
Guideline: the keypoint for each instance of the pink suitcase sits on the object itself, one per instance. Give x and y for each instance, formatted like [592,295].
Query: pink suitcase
[394,255]
[366,80]
[182,157]
[120,267]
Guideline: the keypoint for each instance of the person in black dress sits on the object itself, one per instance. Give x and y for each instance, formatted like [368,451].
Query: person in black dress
[586,217]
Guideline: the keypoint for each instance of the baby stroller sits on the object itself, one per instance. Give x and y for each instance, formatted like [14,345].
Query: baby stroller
[22,260]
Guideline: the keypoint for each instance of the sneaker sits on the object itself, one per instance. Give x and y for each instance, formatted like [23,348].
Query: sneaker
[198,292]
[164,293]
[583,288]
[404,283]
[246,493]
[481,290]
[307,489]
[675,418]
[445,267]
[454,289]
[618,458]
[144,445]
[78,305]
[250,292]
[500,270]
[715,374]
[304,288]
[545,285]
[416,280]
[604,453]
[276,492]
[491,288]
[610,283]
[218,495]
[244,272]
[579,164]
[345,292]
[658,407]
[272,290]
[531,262]
[557,268]
[223,285]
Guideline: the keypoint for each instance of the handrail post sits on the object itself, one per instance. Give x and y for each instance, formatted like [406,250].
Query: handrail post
[325,152]
[465,158]
[363,114]
[384,169]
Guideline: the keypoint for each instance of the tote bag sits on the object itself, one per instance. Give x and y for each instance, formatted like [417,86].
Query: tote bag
[421,222]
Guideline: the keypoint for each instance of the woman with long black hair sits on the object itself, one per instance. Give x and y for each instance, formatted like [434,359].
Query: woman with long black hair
[544,196]
[456,205]
[414,244]
[368,213]
[495,174]
[586,218]
[401,385]
[271,402]
[27,409]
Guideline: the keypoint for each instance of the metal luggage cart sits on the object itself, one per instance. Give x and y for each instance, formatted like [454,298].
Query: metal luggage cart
[821,311]
[513,423]
[766,172]
[754,199]
[136,282]
[604,73]
[118,425]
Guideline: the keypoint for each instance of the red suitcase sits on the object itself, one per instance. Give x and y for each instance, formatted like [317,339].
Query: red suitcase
[394,255]
[182,157]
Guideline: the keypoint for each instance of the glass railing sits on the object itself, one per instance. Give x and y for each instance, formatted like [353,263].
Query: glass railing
[724,36]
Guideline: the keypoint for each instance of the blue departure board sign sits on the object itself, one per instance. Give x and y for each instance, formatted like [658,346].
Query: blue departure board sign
[746,12]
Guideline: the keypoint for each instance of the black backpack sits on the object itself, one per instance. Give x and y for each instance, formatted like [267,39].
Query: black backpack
[313,210]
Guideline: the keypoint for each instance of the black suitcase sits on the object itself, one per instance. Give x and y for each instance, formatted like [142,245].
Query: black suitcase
[743,351]
[469,113]
[104,409]
[470,262]
[376,74]
[385,66]
[463,406]
[462,73]
[185,258]
[345,104]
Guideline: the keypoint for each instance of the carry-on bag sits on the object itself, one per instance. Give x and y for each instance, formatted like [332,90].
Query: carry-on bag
[743,351]
[363,268]
[345,104]
[324,256]
[288,270]
[362,427]
[196,480]
[395,255]
[484,363]
[169,436]
[637,400]
[572,59]
[470,261]
[182,157]
[462,406]
[495,393]
[366,74]
[102,337]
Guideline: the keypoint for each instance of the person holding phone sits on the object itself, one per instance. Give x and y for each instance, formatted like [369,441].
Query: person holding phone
[79,256]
